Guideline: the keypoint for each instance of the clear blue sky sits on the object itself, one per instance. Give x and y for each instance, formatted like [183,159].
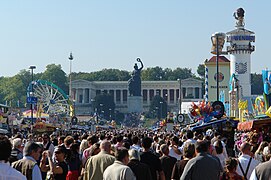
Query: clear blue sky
[113,33]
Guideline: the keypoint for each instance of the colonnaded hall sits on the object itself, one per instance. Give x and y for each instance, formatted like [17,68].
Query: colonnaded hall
[84,92]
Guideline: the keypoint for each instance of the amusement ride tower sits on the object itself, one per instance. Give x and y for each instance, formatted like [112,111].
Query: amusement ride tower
[240,50]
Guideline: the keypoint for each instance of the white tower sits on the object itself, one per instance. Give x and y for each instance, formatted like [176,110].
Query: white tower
[240,50]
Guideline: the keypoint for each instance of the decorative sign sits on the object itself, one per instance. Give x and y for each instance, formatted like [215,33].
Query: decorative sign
[241,68]
[241,38]
[220,77]
[31,100]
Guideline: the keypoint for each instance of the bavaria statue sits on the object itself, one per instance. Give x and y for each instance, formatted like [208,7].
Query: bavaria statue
[134,82]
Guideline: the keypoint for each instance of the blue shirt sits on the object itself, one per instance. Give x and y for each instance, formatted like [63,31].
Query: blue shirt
[36,173]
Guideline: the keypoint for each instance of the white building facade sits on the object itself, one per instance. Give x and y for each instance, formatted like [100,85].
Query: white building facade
[83,93]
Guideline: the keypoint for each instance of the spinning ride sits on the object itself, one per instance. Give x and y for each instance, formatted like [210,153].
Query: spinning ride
[51,99]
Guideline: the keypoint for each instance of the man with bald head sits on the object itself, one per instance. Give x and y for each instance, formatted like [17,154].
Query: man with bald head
[246,161]
[96,165]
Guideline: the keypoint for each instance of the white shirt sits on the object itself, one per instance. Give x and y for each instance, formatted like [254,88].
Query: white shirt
[244,159]
[222,159]
[193,141]
[173,154]
[224,149]
[9,173]
[118,171]
[253,175]
[36,173]
[135,147]
[51,147]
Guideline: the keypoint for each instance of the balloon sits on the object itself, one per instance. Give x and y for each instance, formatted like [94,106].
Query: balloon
[198,112]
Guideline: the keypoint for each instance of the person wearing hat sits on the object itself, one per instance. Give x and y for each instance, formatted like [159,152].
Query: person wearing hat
[59,170]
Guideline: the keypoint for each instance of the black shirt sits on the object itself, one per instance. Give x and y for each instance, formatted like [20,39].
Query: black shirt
[141,170]
[153,162]
[64,167]
[168,163]
[178,169]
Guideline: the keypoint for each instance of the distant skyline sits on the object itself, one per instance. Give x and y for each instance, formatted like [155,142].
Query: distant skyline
[112,34]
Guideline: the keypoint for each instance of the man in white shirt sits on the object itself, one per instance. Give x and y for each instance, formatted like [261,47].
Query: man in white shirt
[28,165]
[119,169]
[174,149]
[6,171]
[246,162]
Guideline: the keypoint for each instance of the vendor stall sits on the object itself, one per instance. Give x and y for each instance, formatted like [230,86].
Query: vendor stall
[257,124]
[42,127]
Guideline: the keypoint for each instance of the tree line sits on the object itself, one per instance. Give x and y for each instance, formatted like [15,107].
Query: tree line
[13,89]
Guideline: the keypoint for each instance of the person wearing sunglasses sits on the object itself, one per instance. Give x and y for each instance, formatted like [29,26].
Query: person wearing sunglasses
[58,170]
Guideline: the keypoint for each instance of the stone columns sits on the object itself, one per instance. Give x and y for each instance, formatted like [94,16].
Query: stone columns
[121,96]
[148,96]
[83,96]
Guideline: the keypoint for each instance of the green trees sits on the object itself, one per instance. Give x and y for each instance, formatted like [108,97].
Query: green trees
[150,74]
[104,105]
[13,89]
[158,107]
[201,70]
[167,74]
[103,75]
[56,75]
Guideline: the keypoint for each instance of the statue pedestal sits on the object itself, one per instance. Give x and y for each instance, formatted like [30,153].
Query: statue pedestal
[135,104]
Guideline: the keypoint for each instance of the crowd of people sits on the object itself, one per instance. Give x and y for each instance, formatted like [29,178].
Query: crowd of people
[129,154]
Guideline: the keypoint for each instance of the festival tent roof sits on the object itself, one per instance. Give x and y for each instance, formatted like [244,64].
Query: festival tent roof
[254,124]
[205,125]
[28,114]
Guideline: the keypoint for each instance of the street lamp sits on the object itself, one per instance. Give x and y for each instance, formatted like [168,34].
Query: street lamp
[70,87]
[218,40]
[32,93]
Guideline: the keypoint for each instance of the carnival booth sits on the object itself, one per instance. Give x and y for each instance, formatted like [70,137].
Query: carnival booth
[41,127]
[258,125]
[36,115]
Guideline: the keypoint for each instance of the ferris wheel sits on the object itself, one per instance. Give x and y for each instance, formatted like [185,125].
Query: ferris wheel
[51,99]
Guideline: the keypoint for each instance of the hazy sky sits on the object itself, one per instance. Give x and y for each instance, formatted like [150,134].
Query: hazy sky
[113,33]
